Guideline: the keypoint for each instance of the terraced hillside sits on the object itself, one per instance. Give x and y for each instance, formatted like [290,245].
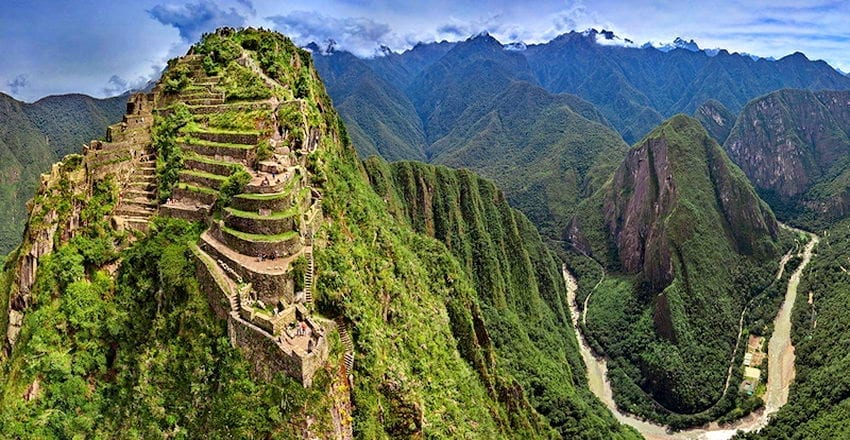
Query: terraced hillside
[254,287]
[235,146]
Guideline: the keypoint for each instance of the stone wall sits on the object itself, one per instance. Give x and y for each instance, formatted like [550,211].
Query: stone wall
[209,150]
[253,205]
[282,285]
[261,225]
[257,248]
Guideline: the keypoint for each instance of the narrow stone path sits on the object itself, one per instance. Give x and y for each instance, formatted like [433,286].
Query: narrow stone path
[781,370]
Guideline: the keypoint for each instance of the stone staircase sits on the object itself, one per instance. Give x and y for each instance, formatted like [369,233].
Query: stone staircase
[244,258]
[345,338]
[308,277]
[137,202]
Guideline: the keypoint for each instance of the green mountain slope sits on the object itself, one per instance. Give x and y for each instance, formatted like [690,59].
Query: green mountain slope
[518,281]
[686,243]
[119,335]
[547,152]
[380,118]
[794,145]
[33,136]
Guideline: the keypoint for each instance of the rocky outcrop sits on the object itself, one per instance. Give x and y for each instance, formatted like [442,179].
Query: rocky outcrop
[643,195]
[716,119]
[794,145]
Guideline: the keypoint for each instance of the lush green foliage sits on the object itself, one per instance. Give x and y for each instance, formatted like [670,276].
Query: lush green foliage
[137,356]
[518,282]
[169,158]
[671,341]
[233,184]
[795,147]
[817,405]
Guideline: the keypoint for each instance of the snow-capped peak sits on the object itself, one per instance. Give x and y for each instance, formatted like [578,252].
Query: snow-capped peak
[516,46]
[678,43]
[608,38]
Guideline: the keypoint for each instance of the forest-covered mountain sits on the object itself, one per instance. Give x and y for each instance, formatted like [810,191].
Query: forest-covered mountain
[32,137]
[678,231]
[432,331]
[794,145]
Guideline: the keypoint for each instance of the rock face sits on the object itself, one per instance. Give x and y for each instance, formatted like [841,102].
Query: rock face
[716,119]
[634,214]
[794,146]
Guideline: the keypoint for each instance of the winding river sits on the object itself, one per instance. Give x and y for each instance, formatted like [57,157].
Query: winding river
[780,368]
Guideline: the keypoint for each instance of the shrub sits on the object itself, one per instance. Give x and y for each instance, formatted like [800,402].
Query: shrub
[234,184]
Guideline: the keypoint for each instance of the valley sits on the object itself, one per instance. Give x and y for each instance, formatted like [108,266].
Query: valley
[780,371]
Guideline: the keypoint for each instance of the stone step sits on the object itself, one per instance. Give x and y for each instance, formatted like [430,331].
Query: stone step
[235,106]
[252,222]
[145,186]
[139,201]
[191,194]
[134,192]
[266,276]
[203,163]
[199,178]
[134,211]
[204,101]
[215,150]
[147,171]
[254,202]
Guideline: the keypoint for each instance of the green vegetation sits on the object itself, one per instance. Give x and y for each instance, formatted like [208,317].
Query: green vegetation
[518,281]
[288,235]
[176,77]
[242,84]
[802,142]
[34,136]
[169,158]
[232,185]
[817,403]
[138,356]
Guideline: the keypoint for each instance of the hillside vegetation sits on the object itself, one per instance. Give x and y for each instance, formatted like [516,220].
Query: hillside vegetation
[517,279]
[818,400]
[119,340]
[794,145]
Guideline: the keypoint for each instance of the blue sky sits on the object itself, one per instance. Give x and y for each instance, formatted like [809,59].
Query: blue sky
[103,47]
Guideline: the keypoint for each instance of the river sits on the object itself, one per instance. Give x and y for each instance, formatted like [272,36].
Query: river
[780,369]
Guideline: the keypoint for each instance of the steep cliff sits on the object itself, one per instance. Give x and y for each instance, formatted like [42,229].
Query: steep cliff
[516,278]
[794,145]
[686,243]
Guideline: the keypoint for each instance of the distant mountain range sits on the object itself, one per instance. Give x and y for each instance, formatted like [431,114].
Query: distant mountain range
[635,87]
[33,136]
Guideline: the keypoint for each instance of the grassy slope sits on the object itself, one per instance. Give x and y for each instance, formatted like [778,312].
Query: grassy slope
[547,152]
[517,279]
[140,355]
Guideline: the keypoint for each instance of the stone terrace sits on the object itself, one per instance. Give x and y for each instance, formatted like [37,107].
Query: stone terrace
[258,248]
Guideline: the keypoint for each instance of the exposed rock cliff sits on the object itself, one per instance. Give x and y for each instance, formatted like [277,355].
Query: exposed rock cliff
[794,145]
[716,119]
